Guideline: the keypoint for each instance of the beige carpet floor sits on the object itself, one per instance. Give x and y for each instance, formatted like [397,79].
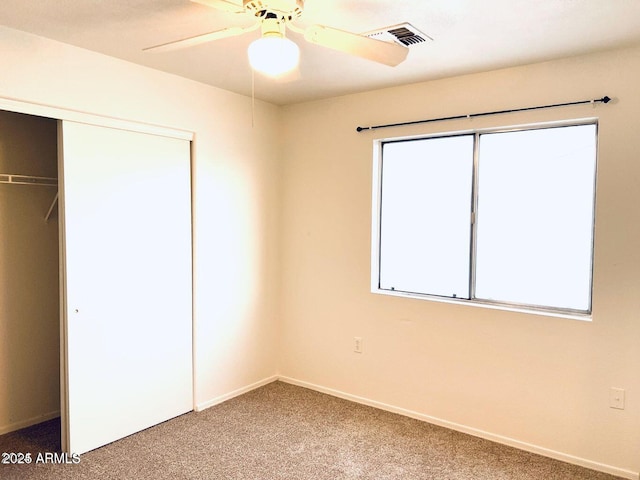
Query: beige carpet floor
[281,431]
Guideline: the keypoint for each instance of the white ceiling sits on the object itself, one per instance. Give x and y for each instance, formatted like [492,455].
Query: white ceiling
[469,36]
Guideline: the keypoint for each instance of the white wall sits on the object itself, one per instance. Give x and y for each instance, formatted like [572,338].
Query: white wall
[541,383]
[235,182]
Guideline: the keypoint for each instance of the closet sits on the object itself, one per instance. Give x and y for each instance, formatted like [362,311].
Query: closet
[119,293]
[29,291]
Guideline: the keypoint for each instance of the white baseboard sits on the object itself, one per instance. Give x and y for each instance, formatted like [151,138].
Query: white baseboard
[470,430]
[228,396]
[12,427]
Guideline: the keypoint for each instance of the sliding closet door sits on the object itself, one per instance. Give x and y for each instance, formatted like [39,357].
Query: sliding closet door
[126,245]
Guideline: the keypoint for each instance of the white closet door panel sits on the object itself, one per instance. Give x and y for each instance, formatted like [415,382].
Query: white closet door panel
[127,250]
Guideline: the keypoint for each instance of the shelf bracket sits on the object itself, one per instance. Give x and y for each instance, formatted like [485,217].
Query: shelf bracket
[53,204]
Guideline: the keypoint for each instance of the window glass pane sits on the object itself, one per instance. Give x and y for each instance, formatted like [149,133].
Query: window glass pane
[535,217]
[425,216]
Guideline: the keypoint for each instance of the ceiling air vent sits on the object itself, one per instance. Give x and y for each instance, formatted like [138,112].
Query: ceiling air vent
[404,34]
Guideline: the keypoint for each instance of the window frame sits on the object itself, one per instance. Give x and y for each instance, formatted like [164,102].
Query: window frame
[473,301]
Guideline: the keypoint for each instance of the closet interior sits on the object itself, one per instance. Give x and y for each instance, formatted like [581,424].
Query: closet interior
[29,271]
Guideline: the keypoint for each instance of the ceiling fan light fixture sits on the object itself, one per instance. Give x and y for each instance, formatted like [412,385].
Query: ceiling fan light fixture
[273,55]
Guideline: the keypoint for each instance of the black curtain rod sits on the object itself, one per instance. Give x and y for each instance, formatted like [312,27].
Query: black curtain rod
[604,99]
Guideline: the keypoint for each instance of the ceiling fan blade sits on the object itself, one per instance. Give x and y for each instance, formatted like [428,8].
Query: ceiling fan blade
[224,5]
[199,39]
[376,50]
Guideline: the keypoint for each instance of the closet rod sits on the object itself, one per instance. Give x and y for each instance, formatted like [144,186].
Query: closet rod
[28,180]
[604,99]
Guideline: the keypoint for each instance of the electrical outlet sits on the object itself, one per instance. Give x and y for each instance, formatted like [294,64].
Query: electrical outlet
[616,398]
[357,344]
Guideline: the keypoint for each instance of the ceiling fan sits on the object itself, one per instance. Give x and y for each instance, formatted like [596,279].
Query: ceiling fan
[274,17]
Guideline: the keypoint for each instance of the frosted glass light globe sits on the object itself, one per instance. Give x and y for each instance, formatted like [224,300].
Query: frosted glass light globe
[273,55]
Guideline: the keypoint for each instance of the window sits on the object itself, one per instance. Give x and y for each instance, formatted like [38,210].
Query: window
[502,218]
